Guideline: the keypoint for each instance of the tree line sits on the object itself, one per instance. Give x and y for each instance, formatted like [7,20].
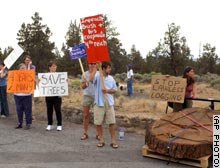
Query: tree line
[170,56]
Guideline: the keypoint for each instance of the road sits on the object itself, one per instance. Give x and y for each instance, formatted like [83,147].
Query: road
[38,148]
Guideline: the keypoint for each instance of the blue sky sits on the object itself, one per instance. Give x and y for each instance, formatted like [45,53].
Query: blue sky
[141,22]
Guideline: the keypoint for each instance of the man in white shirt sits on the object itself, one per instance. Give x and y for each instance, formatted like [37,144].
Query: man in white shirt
[129,79]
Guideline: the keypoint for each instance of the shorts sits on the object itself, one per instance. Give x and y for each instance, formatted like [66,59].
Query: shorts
[101,115]
[87,100]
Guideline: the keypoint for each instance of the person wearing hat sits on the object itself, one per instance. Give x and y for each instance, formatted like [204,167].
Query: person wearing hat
[129,79]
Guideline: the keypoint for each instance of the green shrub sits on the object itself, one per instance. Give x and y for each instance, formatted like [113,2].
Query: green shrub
[138,77]
[207,78]
[75,83]
[215,82]
[120,77]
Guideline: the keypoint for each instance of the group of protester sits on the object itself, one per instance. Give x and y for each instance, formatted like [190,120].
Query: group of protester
[101,96]
[98,89]
[23,101]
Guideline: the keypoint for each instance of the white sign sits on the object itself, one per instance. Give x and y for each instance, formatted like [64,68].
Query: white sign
[13,56]
[53,84]
[36,92]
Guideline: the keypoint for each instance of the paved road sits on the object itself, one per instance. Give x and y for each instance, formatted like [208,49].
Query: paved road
[37,148]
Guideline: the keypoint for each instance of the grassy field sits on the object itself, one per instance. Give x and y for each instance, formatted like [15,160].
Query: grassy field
[139,105]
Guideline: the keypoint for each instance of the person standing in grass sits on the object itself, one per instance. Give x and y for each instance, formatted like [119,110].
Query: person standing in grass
[129,79]
[87,99]
[191,90]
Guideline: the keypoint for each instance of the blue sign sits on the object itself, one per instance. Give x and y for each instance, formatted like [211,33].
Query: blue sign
[77,52]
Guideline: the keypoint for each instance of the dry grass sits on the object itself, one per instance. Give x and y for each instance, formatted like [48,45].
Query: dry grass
[138,105]
[141,105]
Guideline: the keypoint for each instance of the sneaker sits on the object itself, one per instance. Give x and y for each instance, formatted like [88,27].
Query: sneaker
[49,127]
[18,126]
[59,128]
[3,116]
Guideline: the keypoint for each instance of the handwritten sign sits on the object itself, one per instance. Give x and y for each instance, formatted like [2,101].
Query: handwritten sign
[20,81]
[53,84]
[170,88]
[13,56]
[94,37]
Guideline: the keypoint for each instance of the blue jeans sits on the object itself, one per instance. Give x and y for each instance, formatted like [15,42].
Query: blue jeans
[24,105]
[4,101]
[129,87]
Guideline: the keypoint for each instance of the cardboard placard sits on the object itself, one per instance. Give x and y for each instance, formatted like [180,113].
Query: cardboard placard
[93,30]
[20,81]
[53,84]
[13,56]
[168,88]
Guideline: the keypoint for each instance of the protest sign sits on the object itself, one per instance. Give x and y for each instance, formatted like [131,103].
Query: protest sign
[20,81]
[13,56]
[94,37]
[53,84]
[36,92]
[168,88]
[77,52]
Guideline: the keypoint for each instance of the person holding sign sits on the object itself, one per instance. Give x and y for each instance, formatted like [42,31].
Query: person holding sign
[87,99]
[28,62]
[23,102]
[129,79]
[53,102]
[29,66]
[3,94]
[191,90]
[104,94]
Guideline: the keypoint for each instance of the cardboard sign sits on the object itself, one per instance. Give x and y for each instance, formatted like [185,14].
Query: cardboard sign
[36,92]
[20,81]
[168,88]
[13,56]
[94,37]
[53,84]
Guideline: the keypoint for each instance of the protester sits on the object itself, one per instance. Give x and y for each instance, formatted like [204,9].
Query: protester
[87,99]
[28,62]
[53,102]
[23,102]
[104,101]
[129,79]
[29,66]
[3,94]
[191,90]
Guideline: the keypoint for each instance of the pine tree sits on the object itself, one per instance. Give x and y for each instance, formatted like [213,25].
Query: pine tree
[73,38]
[34,38]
